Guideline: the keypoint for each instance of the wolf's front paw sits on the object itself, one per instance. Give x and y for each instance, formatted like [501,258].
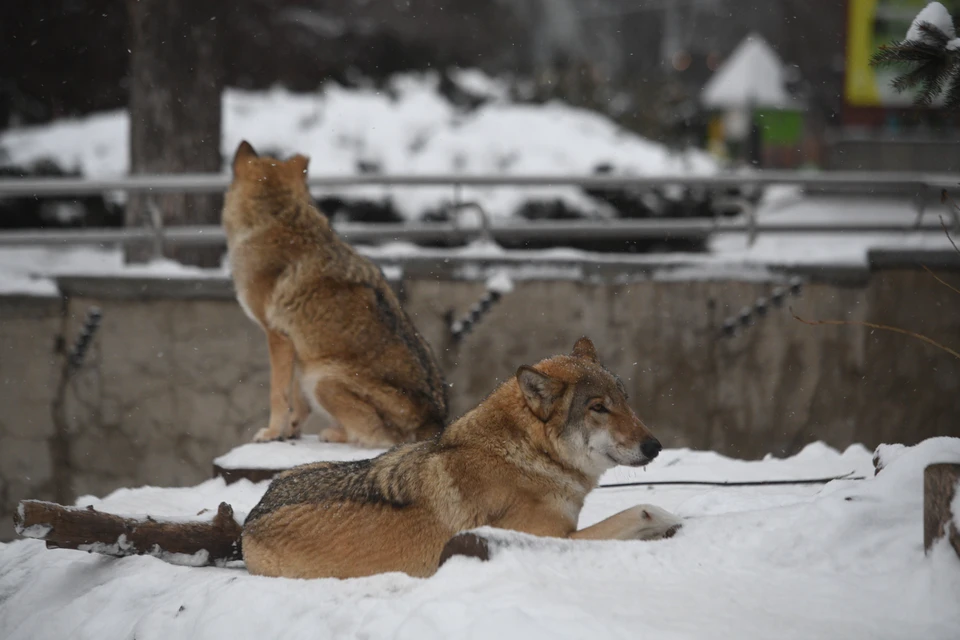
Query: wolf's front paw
[267,435]
[654,523]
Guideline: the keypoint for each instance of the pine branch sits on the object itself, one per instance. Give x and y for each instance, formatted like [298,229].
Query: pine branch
[933,84]
[897,53]
[934,33]
[921,75]
[952,99]
[930,67]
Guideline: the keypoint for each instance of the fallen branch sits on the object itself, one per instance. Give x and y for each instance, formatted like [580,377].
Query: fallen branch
[195,543]
[744,483]
[938,279]
[944,225]
[939,488]
[882,327]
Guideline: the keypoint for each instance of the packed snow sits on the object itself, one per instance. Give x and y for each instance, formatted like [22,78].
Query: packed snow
[407,128]
[935,14]
[287,453]
[843,560]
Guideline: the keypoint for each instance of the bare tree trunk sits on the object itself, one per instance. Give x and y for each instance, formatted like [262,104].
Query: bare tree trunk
[176,81]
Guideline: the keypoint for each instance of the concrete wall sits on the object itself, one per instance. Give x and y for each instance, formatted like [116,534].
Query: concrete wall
[172,381]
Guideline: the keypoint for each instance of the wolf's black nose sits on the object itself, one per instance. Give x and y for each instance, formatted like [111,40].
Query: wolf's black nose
[651,448]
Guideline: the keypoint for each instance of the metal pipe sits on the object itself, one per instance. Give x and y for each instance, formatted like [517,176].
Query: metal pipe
[901,182]
[513,232]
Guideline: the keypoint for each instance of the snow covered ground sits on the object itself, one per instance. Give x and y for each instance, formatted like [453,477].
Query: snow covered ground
[843,560]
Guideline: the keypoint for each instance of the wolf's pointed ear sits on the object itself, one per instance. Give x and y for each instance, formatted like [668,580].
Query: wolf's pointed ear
[540,391]
[299,164]
[585,349]
[245,153]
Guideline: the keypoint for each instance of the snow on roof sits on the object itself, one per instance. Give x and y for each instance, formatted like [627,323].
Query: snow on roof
[752,75]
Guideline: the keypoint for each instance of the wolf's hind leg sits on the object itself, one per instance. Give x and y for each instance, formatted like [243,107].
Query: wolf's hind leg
[360,421]
[642,522]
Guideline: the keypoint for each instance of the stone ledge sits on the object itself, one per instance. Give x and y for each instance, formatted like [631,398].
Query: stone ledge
[444,265]
[18,306]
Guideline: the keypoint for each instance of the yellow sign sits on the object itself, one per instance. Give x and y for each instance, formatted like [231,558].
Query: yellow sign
[871,23]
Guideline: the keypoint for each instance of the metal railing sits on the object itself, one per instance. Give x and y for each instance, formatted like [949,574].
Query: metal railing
[918,187]
[556,231]
[886,182]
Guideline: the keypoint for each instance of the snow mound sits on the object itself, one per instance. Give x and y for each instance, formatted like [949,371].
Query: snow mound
[836,561]
[409,128]
[903,466]
[935,14]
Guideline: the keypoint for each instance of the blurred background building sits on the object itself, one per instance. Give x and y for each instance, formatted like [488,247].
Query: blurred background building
[642,62]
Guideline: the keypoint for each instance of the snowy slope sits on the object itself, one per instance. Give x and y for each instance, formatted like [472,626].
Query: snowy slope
[412,129]
[840,561]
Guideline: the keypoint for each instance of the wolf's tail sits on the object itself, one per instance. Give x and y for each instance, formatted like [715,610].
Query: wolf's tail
[194,542]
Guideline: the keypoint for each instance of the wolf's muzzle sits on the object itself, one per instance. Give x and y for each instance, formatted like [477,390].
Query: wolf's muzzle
[651,448]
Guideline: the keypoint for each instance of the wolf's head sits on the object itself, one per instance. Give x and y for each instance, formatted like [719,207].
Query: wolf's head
[585,413]
[264,172]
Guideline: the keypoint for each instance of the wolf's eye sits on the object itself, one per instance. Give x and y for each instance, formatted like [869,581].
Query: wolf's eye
[599,408]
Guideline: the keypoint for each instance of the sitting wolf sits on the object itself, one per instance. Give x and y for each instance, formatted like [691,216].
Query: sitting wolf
[337,335]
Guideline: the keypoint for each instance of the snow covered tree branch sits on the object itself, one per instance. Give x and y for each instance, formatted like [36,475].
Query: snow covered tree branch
[931,54]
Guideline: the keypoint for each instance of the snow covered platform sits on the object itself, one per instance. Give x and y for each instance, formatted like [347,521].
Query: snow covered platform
[258,461]
[838,560]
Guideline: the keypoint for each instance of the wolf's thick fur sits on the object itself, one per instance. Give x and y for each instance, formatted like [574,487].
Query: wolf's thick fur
[336,332]
[524,459]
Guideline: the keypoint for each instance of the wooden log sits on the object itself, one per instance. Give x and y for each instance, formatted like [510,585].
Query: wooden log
[940,483]
[193,542]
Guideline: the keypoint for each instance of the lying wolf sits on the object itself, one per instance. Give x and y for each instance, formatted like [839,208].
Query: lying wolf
[337,335]
[524,459]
